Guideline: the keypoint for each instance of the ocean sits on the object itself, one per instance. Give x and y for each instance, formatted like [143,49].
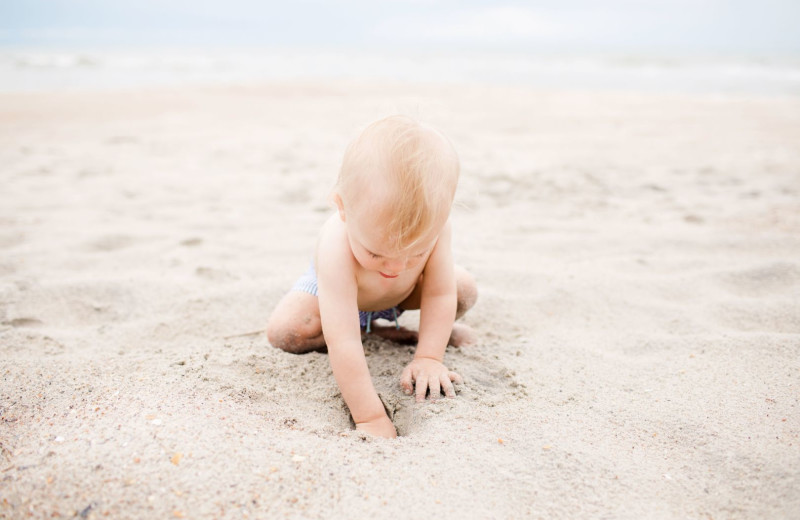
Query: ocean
[37,69]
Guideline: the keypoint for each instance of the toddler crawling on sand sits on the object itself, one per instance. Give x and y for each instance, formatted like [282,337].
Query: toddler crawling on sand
[387,250]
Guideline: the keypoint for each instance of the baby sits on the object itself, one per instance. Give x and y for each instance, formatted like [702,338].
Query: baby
[387,250]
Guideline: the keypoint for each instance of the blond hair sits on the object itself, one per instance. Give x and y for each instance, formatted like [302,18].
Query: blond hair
[406,172]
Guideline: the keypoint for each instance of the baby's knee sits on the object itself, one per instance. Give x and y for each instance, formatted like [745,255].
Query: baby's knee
[279,336]
[293,336]
[467,291]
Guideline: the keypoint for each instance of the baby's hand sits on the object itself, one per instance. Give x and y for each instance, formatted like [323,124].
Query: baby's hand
[429,373]
[381,427]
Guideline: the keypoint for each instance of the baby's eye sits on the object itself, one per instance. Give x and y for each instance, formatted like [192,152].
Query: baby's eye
[373,255]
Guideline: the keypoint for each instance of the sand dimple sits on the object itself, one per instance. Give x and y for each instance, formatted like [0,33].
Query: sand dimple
[762,280]
[110,243]
[758,316]
[214,274]
[192,242]
[10,240]
[71,304]
[406,414]
[24,322]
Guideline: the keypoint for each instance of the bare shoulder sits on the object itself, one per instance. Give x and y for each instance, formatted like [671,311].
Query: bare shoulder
[443,242]
[446,233]
[333,252]
[439,268]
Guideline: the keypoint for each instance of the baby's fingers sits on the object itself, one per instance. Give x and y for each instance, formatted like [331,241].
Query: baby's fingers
[433,383]
[457,379]
[405,381]
[422,387]
[447,385]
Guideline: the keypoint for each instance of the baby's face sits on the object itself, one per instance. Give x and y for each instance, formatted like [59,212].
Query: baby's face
[374,252]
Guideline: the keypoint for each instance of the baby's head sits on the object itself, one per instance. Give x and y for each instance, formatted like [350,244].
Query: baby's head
[398,177]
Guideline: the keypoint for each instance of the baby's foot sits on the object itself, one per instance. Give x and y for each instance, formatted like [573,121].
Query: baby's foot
[462,335]
[401,335]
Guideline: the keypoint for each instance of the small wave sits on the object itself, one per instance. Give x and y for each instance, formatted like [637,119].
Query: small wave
[39,70]
[54,61]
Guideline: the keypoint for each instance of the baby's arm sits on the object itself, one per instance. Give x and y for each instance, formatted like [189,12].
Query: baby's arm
[338,305]
[437,314]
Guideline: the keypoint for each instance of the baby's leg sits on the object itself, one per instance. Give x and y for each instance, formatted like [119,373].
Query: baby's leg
[295,325]
[467,290]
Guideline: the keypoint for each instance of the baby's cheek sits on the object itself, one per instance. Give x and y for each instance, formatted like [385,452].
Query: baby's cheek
[365,261]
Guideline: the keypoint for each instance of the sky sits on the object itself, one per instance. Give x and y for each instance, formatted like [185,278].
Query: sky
[668,26]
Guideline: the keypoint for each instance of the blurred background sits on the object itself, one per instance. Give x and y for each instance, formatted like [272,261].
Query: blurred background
[734,46]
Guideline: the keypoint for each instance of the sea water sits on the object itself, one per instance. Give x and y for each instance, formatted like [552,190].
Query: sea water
[38,69]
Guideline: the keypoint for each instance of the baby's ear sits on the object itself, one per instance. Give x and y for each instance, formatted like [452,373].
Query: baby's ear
[340,205]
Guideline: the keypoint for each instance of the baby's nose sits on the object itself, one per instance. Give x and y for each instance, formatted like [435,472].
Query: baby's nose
[396,264]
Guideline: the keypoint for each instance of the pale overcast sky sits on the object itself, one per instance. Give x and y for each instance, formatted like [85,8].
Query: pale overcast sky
[734,26]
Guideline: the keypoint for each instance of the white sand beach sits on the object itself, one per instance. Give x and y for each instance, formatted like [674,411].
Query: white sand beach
[638,262]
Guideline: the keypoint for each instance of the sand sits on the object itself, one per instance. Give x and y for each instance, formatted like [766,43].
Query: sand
[638,261]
